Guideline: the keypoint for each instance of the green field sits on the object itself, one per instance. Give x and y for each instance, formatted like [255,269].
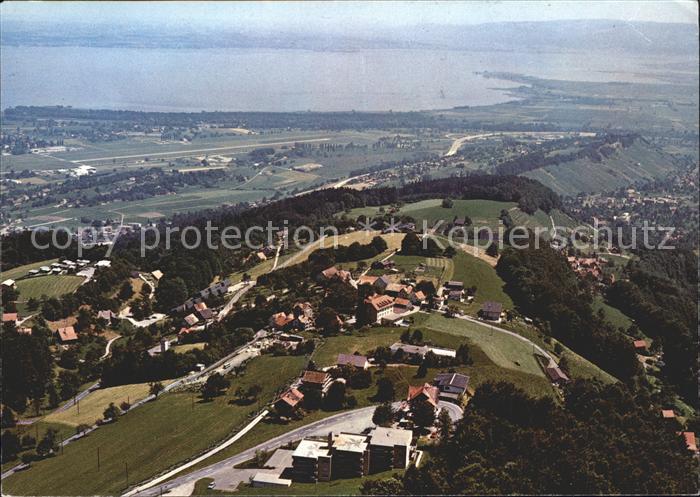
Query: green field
[481,212]
[53,285]
[475,272]
[151,438]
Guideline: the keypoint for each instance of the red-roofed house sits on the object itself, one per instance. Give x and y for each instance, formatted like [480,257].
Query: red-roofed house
[281,320]
[333,272]
[9,317]
[289,400]
[640,344]
[425,392]
[67,335]
[690,442]
[668,413]
[316,380]
[379,306]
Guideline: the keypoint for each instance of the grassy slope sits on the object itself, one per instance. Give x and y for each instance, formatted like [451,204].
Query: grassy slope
[491,353]
[150,439]
[638,162]
[92,407]
[612,314]
[473,271]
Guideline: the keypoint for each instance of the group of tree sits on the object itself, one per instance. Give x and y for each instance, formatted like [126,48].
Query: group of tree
[603,440]
[660,293]
[543,286]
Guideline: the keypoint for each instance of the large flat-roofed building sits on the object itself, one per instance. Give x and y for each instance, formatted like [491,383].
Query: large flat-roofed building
[350,455]
[389,448]
[311,461]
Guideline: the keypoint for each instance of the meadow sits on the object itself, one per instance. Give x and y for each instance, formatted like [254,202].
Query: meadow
[151,438]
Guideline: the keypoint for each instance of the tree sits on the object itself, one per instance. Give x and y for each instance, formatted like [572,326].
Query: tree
[492,250]
[312,399]
[82,428]
[155,388]
[385,390]
[112,412]
[422,369]
[84,321]
[125,291]
[171,292]
[10,445]
[335,397]
[32,304]
[214,386]
[383,415]
[7,417]
[450,251]
[69,383]
[423,413]
[52,393]
[447,203]
[417,337]
[69,359]
[328,321]
[48,444]
[444,425]
[463,356]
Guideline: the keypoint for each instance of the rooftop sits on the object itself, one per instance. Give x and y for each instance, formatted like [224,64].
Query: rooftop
[355,360]
[312,449]
[389,437]
[349,442]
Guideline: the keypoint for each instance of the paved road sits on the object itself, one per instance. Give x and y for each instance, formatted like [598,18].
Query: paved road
[241,289]
[351,421]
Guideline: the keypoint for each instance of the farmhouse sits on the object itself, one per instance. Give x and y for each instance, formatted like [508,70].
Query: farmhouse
[157,274]
[555,374]
[421,350]
[8,284]
[491,311]
[335,273]
[67,335]
[425,392]
[379,306]
[358,361]
[454,285]
[10,317]
[190,320]
[640,345]
[451,383]
[690,443]
[316,380]
[381,283]
[366,280]
[106,315]
[289,400]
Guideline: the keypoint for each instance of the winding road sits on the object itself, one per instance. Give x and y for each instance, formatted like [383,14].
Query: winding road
[348,421]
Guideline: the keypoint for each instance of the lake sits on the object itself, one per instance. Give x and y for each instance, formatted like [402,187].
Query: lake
[285,80]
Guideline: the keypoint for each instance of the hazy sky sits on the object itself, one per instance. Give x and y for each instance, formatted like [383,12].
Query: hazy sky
[346,15]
